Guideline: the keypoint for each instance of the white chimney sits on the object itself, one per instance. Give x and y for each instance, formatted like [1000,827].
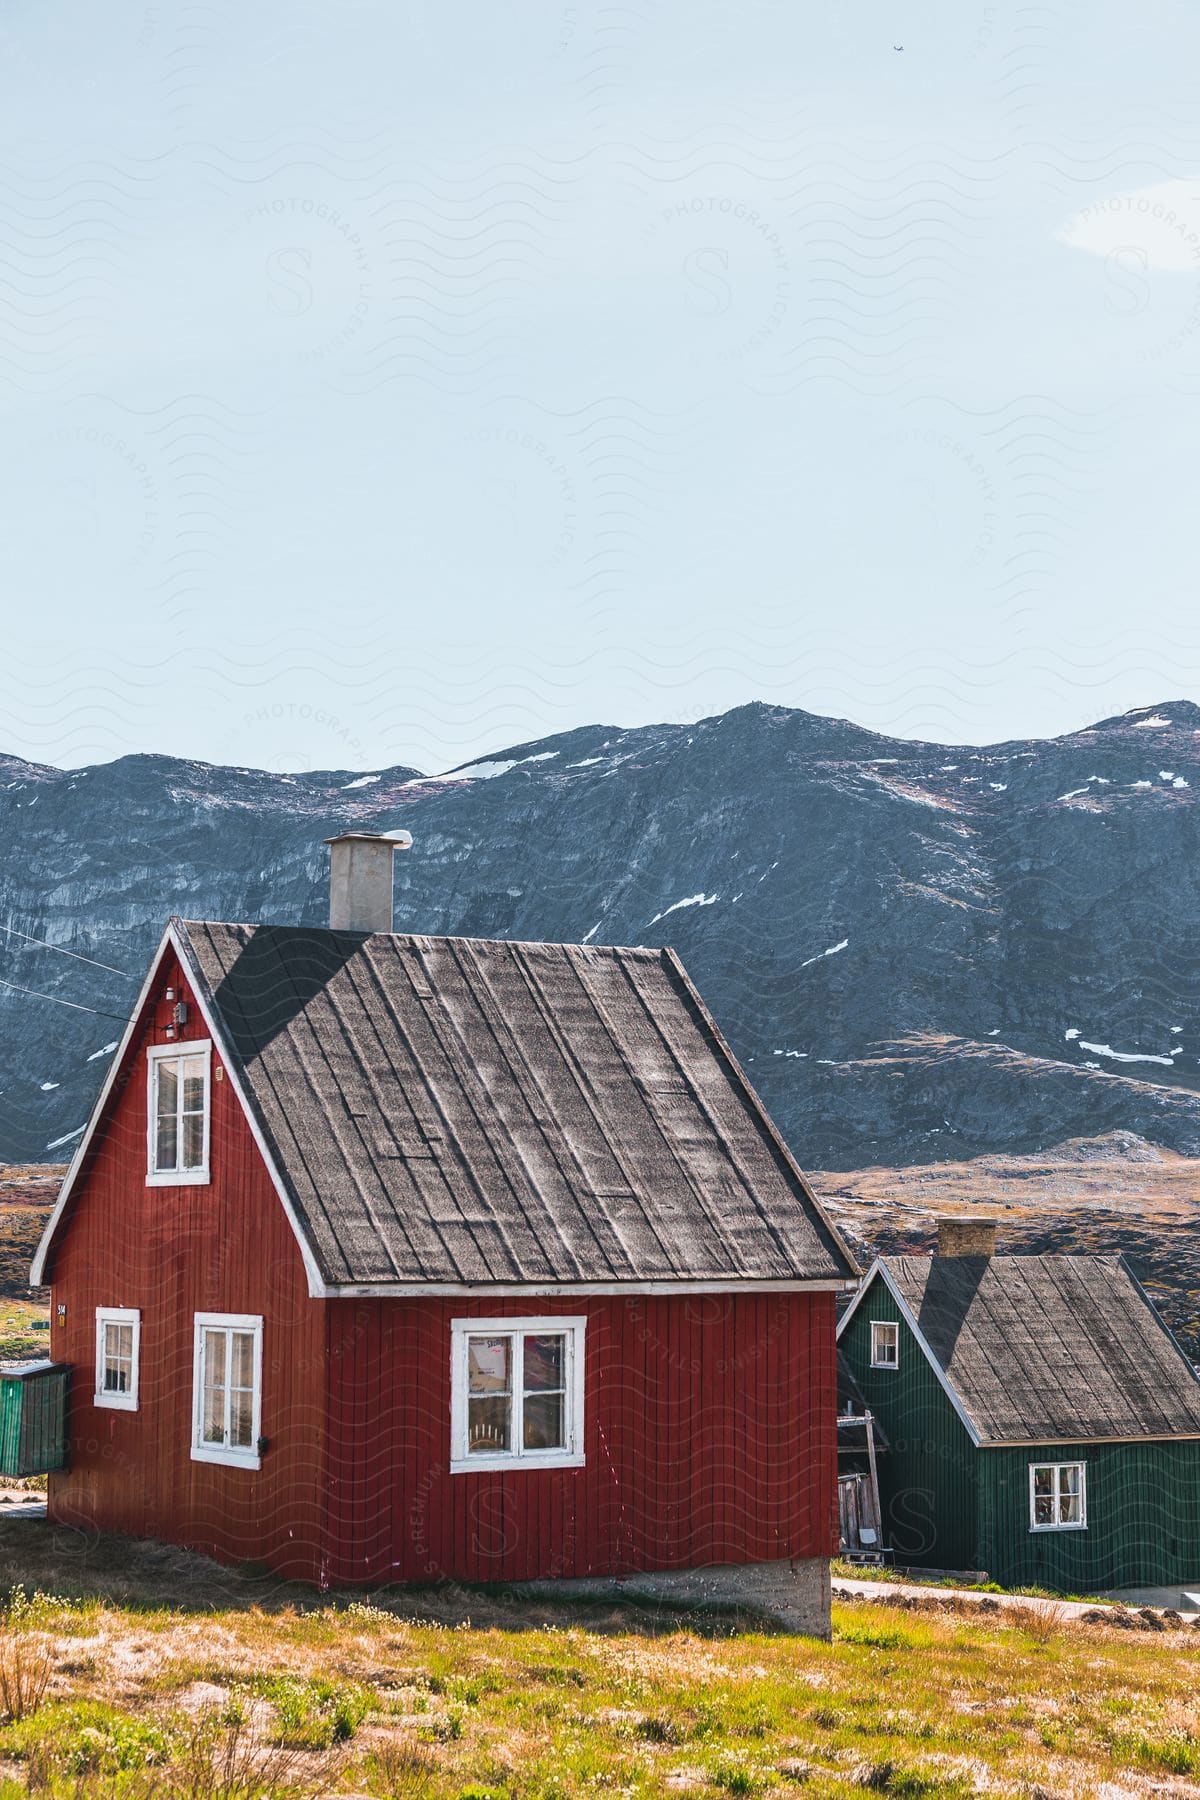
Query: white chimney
[360,879]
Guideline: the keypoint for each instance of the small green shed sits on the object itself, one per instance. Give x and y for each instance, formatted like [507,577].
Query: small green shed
[33,1411]
[1043,1423]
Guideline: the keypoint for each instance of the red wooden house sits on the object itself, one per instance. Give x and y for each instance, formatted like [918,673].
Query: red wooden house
[397,1258]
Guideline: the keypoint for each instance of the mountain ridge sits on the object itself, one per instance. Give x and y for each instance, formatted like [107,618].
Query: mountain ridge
[919,951]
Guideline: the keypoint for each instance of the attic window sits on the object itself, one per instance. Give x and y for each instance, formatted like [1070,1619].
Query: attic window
[885,1344]
[516,1394]
[178,1113]
[1057,1496]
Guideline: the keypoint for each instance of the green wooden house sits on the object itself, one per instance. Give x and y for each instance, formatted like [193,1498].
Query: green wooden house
[1043,1423]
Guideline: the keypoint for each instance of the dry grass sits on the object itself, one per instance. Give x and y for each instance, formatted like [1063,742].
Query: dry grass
[1042,1622]
[26,1664]
[27,1658]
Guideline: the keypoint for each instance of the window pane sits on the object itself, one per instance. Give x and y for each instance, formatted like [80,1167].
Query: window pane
[193,1141]
[489,1361]
[489,1424]
[545,1359]
[168,1089]
[1043,1481]
[545,1422]
[1043,1509]
[214,1387]
[116,1375]
[165,1152]
[193,1084]
[1069,1511]
[243,1359]
[241,1418]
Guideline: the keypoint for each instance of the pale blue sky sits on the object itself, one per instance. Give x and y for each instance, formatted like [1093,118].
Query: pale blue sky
[391,384]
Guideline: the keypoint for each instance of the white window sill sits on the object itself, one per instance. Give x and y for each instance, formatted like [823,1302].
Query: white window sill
[177,1178]
[1040,1530]
[890,1366]
[555,1459]
[122,1402]
[229,1459]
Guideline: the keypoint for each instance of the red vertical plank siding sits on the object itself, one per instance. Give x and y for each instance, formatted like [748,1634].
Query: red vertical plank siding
[709,1437]
[225,1246]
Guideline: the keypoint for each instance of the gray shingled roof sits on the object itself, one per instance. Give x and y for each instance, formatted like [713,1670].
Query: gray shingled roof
[453,1110]
[1051,1349]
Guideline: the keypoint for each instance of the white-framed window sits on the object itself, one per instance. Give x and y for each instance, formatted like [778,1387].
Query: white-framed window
[118,1335]
[1057,1496]
[516,1393]
[177,1093]
[885,1344]
[227,1389]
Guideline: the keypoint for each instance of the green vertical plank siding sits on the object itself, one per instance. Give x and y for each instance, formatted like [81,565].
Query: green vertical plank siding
[33,1422]
[10,1427]
[1143,1518]
[928,1478]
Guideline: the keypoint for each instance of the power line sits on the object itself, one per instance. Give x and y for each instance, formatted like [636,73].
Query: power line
[46,945]
[73,1004]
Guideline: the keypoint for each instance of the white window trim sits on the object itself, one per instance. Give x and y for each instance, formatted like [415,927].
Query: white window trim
[1079,1524]
[569,1457]
[892,1325]
[222,1453]
[118,1315]
[154,1055]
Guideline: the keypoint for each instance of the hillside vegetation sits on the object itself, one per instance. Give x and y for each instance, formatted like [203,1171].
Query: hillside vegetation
[1096,1196]
[26,1198]
[156,1674]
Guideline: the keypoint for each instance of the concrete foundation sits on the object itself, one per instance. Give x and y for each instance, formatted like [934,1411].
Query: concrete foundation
[795,1594]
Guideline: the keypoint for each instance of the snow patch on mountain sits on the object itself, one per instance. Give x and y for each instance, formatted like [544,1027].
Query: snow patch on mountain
[1128,1056]
[58,1142]
[678,905]
[834,950]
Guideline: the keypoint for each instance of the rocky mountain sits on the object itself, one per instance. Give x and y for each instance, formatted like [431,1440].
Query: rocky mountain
[921,953]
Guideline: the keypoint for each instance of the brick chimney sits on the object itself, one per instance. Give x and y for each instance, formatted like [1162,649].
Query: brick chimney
[360,880]
[966,1237]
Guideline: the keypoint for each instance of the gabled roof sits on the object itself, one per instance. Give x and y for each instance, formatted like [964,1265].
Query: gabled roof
[441,1114]
[1044,1349]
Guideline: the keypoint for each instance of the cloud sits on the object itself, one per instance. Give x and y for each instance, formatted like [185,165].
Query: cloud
[1159,226]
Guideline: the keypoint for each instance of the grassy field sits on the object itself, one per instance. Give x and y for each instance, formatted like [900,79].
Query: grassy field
[158,1674]
[135,1672]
